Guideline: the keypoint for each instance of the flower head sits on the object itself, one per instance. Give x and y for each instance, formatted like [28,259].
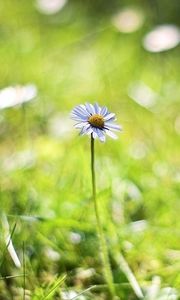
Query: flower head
[95,120]
[12,96]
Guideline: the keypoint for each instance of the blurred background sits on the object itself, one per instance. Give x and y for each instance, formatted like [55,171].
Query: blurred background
[55,54]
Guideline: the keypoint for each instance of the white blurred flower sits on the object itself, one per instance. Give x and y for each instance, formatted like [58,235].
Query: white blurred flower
[19,160]
[117,212]
[50,7]
[168,293]
[142,94]
[12,96]
[128,246]
[52,254]
[133,191]
[160,168]
[83,274]
[138,150]
[176,176]
[173,254]
[121,187]
[138,226]
[153,289]
[60,126]
[75,238]
[162,38]
[128,20]
[70,295]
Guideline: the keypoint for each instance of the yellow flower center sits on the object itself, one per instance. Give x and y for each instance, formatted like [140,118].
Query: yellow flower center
[96,121]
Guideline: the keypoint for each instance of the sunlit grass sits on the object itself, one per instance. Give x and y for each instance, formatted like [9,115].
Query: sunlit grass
[45,188]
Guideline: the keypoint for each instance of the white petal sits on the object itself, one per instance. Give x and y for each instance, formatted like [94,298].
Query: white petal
[97,108]
[101,135]
[112,126]
[103,111]
[78,119]
[89,130]
[83,106]
[81,124]
[81,109]
[94,133]
[78,114]
[111,134]
[90,108]
[110,116]
[84,129]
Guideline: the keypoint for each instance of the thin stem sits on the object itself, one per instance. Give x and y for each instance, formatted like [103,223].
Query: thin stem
[103,246]
[24,273]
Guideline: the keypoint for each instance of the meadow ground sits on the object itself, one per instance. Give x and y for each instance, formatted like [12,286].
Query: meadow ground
[71,57]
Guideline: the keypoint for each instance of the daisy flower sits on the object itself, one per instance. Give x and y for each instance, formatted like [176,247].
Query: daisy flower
[17,95]
[95,120]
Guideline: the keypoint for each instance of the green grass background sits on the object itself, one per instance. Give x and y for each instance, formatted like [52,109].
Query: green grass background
[73,57]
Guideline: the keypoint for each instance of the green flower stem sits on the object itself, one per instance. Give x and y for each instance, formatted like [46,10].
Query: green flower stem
[103,246]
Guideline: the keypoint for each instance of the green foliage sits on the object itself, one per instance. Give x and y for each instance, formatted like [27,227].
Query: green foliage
[72,57]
